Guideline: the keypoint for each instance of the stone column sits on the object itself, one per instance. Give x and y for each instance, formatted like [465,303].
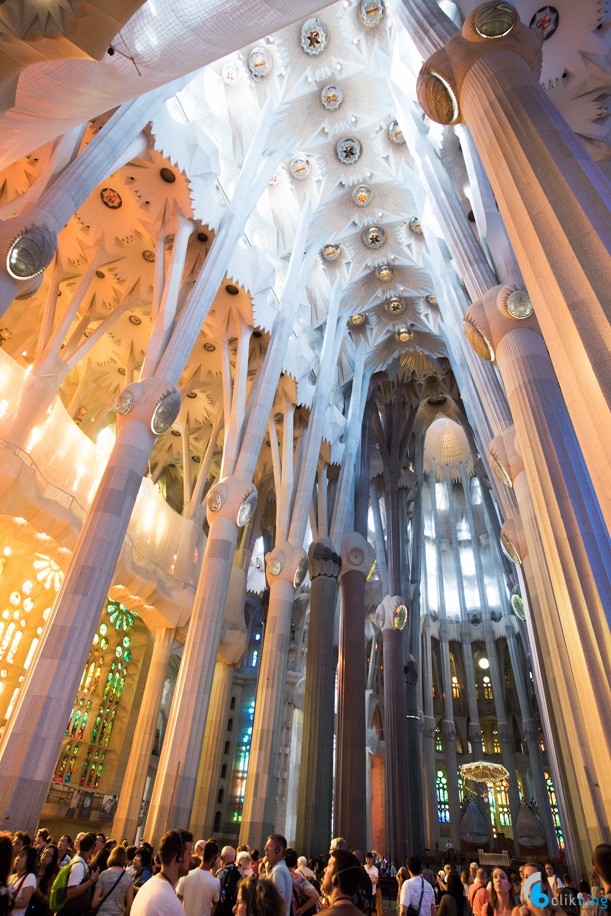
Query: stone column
[428,740]
[204,803]
[575,539]
[554,201]
[398,823]
[350,781]
[531,735]
[313,833]
[284,564]
[125,823]
[33,736]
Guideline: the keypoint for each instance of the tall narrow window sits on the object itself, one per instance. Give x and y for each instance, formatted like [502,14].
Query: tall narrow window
[551,791]
[443,806]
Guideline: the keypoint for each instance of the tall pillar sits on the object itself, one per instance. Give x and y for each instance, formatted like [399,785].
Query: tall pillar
[350,782]
[554,201]
[531,734]
[575,539]
[32,737]
[125,823]
[204,803]
[398,822]
[313,833]
[428,740]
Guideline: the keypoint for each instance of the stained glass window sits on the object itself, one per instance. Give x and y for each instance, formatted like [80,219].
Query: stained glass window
[438,739]
[551,791]
[455,688]
[242,769]
[487,688]
[496,747]
[120,616]
[502,799]
[443,805]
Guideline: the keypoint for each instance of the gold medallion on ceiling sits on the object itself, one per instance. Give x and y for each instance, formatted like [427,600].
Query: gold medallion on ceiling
[148,255]
[300,167]
[348,150]
[112,199]
[371,12]
[394,306]
[331,97]
[356,320]
[404,335]
[314,36]
[331,252]
[259,62]
[395,134]
[374,237]
[362,195]
[384,272]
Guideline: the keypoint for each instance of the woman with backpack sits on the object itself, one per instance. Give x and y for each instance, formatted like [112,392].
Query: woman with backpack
[39,905]
[24,879]
[306,898]
[114,891]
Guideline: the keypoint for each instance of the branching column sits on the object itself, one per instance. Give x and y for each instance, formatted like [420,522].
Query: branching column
[428,739]
[125,823]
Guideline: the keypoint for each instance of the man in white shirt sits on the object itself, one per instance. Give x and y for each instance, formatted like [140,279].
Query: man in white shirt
[372,871]
[554,881]
[302,868]
[199,890]
[416,891]
[157,897]
[80,879]
[279,874]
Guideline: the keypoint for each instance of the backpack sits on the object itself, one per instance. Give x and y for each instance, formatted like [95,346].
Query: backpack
[59,892]
[230,878]
[362,899]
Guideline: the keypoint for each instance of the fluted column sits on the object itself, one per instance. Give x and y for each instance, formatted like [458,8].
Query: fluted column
[202,815]
[350,785]
[398,822]
[555,203]
[125,823]
[313,833]
[428,740]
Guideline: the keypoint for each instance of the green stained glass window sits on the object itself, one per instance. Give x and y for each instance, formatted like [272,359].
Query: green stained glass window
[127,655]
[126,642]
[96,639]
[103,629]
[121,617]
[104,643]
[119,652]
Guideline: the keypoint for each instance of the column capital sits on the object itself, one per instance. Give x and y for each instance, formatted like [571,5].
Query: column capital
[323,560]
[153,402]
[504,457]
[493,26]
[392,613]
[233,499]
[286,563]
[488,320]
[513,540]
[356,553]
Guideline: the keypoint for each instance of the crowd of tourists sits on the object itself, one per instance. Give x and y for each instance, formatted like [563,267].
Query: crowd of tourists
[94,876]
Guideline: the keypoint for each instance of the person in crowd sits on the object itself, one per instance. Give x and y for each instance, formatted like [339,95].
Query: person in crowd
[453,902]
[402,875]
[100,859]
[48,869]
[230,876]
[341,881]
[553,880]
[478,893]
[465,880]
[364,897]
[110,845]
[100,842]
[305,895]
[82,878]
[473,871]
[275,848]
[501,896]
[255,861]
[24,879]
[157,897]
[200,890]
[130,852]
[244,847]
[114,891]
[516,883]
[20,839]
[198,849]
[304,871]
[64,850]
[244,864]
[428,874]
[7,890]
[42,838]
[374,876]
[569,897]
[416,891]
[529,906]
[601,872]
[142,866]
[257,897]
